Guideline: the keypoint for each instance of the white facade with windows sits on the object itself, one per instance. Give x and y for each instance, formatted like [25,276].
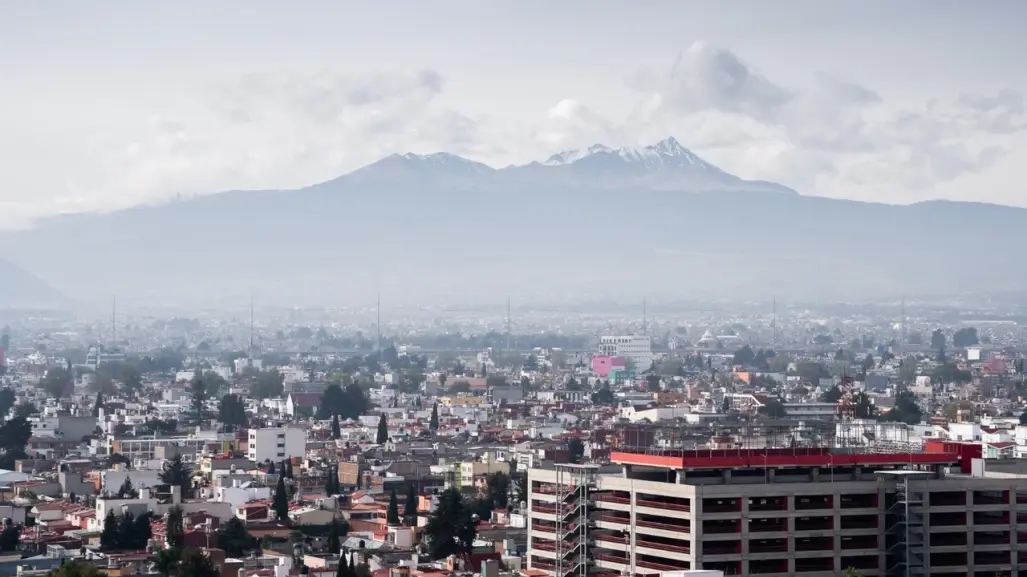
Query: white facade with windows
[276,444]
[636,348]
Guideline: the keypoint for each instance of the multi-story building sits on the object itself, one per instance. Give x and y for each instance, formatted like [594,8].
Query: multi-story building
[275,444]
[813,512]
[636,348]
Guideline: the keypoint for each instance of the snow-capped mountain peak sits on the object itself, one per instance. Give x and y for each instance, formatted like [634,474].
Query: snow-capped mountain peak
[666,153]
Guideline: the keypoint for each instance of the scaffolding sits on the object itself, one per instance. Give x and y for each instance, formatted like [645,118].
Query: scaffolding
[573,485]
[907,541]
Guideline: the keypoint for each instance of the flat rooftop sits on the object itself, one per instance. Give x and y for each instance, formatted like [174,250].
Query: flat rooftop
[774,458]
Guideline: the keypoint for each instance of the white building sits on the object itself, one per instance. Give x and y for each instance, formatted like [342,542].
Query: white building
[96,357]
[276,444]
[636,348]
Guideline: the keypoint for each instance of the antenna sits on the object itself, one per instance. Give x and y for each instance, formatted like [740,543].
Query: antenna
[773,322]
[251,326]
[378,324]
[114,322]
[509,322]
[645,324]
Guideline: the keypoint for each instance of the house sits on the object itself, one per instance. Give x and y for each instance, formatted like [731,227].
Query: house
[302,403]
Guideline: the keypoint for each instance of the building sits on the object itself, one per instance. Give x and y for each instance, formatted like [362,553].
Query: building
[276,444]
[635,348]
[97,356]
[810,511]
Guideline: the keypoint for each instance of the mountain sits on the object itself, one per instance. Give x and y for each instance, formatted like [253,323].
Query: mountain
[20,289]
[601,222]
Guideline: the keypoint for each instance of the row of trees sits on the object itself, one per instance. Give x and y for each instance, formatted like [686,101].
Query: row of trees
[126,533]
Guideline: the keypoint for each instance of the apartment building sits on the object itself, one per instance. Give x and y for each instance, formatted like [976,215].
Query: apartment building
[811,512]
[636,348]
[275,444]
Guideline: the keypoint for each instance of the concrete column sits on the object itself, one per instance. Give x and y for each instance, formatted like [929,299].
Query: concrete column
[970,532]
[696,524]
[631,539]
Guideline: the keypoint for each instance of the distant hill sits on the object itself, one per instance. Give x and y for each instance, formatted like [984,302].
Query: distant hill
[656,220]
[20,289]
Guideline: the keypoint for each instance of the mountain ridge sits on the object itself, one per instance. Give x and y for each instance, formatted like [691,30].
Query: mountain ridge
[611,222]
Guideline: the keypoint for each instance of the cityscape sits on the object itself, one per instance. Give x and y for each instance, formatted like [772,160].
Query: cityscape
[445,289]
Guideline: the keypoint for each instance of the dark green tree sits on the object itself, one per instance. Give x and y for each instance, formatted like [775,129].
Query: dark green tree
[143,531]
[7,401]
[334,545]
[383,429]
[433,423]
[268,385]
[773,409]
[175,534]
[392,515]
[127,491]
[576,449]
[167,560]
[98,404]
[451,529]
[76,569]
[198,395]
[280,503]
[110,535]
[965,337]
[10,538]
[336,431]
[498,485]
[232,412]
[177,473]
[410,507]
[332,481]
[937,339]
[235,539]
[196,563]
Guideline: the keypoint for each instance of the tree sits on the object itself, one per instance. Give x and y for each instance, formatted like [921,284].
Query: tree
[450,529]
[143,531]
[175,532]
[287,469]
[1023,418]
[332,482]
[235,539]
[652,383]
[25,410]
[280,504]
[76,569]
[461,386]
[774,409]
[268,385]
[942,359]
[195,563]
[127,491]
[498,487]
[14,435]
[853,572]
[392,515]
[410,508]
[57,382]
[915,338]
[176,473]
[433,423]
[126,531]
[965,337]
[576,449]
[604,396]
[10,538]
[98,404]
[334,546]
[868,362]
[232,412]
[725,407]
[109,536]
[7,401]
[522,487]
[937,339]
[383,430]
[167,560]
[198,392]
[336,431]
[743,357]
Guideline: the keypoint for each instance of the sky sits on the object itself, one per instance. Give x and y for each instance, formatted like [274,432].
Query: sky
[105,105]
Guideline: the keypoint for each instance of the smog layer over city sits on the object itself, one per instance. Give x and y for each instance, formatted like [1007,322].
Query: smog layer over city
[518,289]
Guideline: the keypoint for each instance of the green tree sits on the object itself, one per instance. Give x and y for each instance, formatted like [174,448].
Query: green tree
[14,436]
[1023,418]
[450,529]
[126,530]
[853,572]
[604,396]
[433,423]
[127,491]
[109,536]
[334,545]
[198,395]
[268,385]
[332,482]
[498,486]
[7,401]
[232,412]
[392,515]
[76,569]
[773,409]
[175,532]
[167,560]
[410,507]
[195,563]
[743,357]
[10,538]
[280,504]
[336,431]
[965,337]
[57,382]
[937,339]
[576,449]
[143,531]
[176,472]
[383,430]
[652,383]
[235,539]
[461,386]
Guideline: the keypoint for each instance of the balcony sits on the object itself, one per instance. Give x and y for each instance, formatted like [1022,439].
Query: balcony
[666,504]
[996,518]
[768,567]
[868,501]
[645,521]
[710,506]
[991,497]
[991,538]
[722,548]
[859,522]
[768,525]
[721,527]
[948,499]
[855,543]
[959,539]
[769,504]
[814,565]
[814,544]
[814,523]
[814,503]
[761,546]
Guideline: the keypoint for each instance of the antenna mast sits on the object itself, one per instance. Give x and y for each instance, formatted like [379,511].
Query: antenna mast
[509,323]
[114,323]
[773,322]
[251,326]
[378,324]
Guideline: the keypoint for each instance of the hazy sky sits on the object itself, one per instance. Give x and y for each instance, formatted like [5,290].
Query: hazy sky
[109,104]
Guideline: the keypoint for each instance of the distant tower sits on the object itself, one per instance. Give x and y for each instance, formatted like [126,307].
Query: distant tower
[509,322]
